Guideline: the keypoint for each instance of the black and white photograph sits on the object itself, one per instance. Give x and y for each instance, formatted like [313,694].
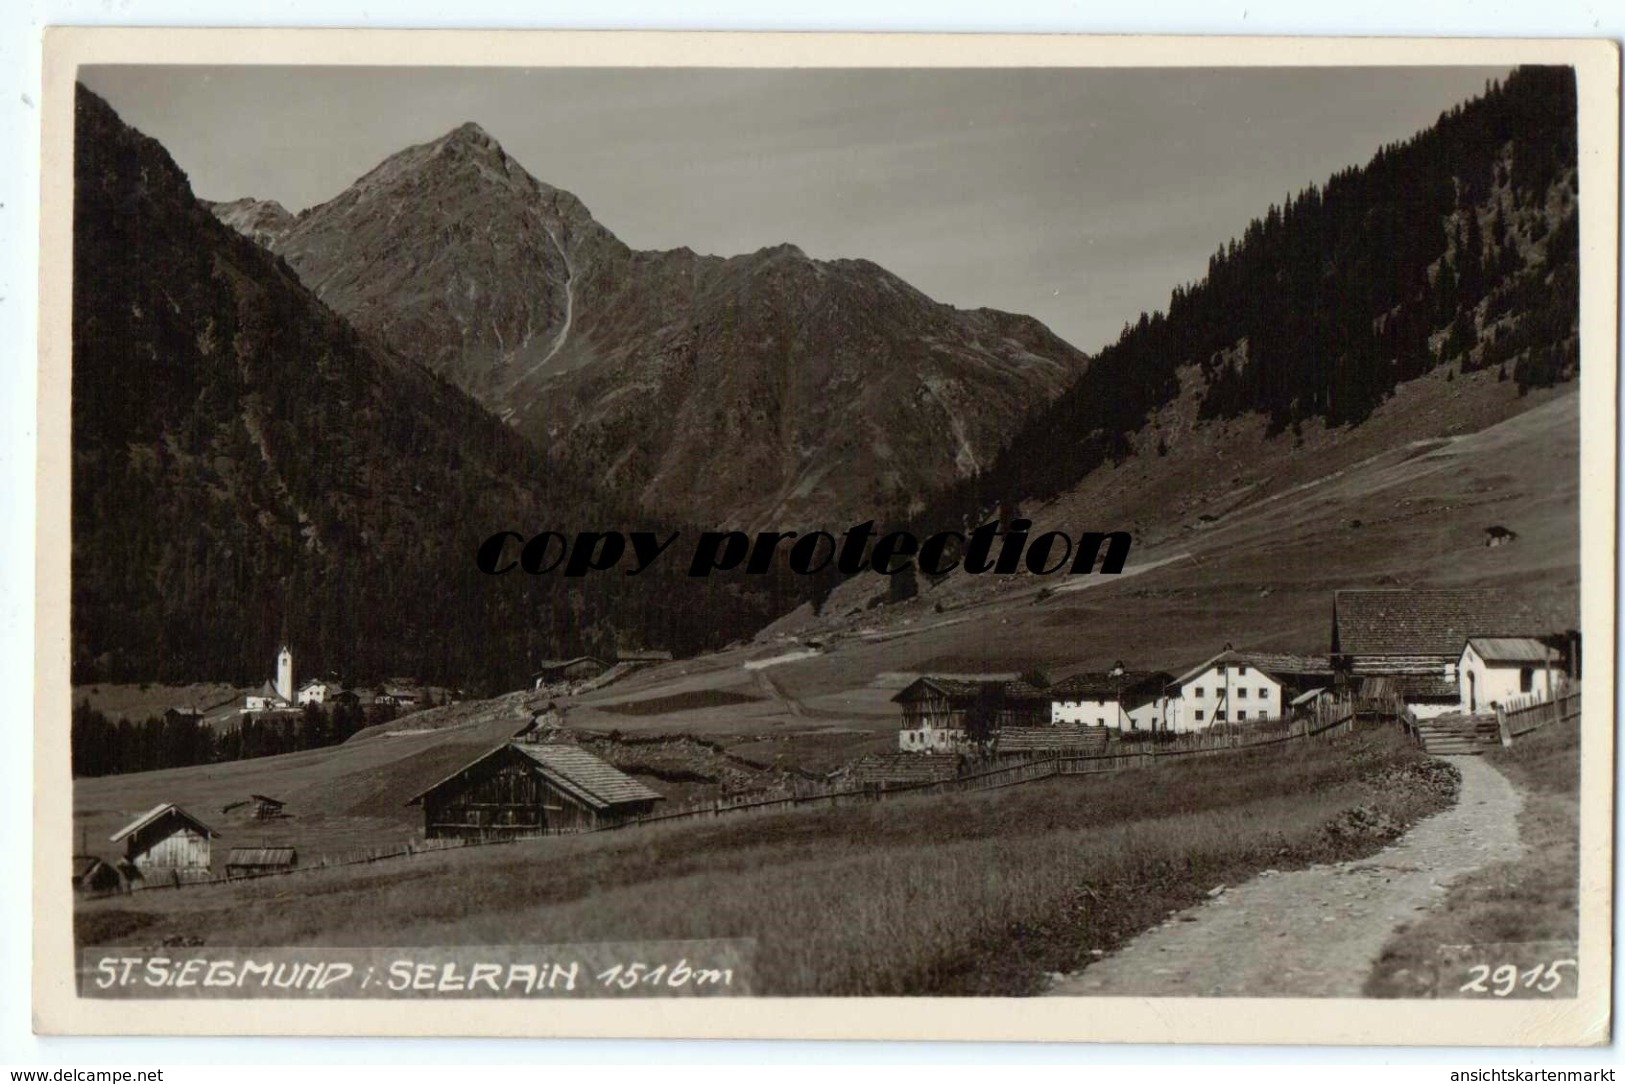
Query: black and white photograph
[681,530]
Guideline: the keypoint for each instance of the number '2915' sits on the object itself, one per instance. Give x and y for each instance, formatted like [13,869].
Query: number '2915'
[1506,979]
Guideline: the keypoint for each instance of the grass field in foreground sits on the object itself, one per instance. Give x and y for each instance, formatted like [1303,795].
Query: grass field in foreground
[1533,899]
[981,892]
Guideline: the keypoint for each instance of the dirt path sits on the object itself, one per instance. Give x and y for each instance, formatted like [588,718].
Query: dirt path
[775,691]
[1315,932]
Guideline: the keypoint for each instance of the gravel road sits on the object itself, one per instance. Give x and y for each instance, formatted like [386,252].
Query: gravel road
[1315,932]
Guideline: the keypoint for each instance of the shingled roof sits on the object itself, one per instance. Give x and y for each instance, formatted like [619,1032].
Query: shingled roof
[1275,664]
[591,781]
[1052,739]
[157,813]
[1109,685]
[1512,649]
[899,769]
[1418,622]
[270,857]
[951,688]
[1409,687]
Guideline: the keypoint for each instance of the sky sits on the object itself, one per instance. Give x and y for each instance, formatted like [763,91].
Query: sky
[1079,196]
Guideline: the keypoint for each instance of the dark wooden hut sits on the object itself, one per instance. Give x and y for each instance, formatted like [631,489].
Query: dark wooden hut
[522,787]
[94,877]
[259,806]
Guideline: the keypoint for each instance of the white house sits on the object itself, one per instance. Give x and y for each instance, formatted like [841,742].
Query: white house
[1239,687]
[1494,669]
[1119,699]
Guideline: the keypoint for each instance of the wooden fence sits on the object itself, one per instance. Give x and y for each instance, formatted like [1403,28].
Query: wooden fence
[1026,771]
[1524,714]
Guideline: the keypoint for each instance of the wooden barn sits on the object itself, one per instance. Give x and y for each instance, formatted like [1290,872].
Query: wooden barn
[253,861]
[523,787]
[166,843]
[1406,644]
[935,709]
[942,702]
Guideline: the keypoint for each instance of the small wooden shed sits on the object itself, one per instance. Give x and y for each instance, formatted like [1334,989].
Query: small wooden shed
[167,843]
[259,806]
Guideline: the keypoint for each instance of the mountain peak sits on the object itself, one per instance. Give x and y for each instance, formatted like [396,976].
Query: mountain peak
[469,133]
[784,249]
[263,220]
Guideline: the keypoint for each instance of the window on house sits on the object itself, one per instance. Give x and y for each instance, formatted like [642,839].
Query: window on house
[1526,680]
[1219,715]
[1263,694]
[1199,714]
[1198,692]
[1240,715]
[1241,694]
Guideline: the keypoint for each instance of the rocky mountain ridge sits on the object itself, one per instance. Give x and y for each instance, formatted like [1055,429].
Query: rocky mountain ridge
[767,388]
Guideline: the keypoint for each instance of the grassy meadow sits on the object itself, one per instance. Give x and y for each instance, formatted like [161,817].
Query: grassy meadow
[981,892]
[1533,899]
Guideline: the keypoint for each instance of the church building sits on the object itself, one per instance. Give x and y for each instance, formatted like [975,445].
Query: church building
[277,696]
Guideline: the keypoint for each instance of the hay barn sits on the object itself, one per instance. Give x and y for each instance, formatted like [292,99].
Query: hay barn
[524,787]
[166,843]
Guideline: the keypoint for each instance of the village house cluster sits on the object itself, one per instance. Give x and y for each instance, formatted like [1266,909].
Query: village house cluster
[280,696]
[1431,653]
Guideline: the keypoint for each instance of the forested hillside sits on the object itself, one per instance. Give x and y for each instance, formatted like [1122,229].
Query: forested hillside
[1458,247]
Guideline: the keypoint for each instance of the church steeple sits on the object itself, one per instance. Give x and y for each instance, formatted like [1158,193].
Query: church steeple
[284,673]
[284,655]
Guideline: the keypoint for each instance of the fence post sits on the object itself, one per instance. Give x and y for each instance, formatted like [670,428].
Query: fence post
[1502,725]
